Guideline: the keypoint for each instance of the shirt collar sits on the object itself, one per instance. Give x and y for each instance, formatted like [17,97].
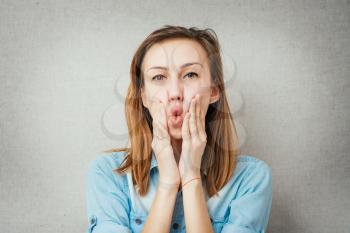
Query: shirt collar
[153,161]
[155,164]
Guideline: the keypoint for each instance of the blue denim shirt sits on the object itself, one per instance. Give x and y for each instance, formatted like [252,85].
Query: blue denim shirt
[114,206]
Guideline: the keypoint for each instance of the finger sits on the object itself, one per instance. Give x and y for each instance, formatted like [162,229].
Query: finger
[153,107]
[203,118]
[201,126]
[198,116]
[192,120]
[199,121]
[154,110]
[185,129]
[160,126]
[163,115]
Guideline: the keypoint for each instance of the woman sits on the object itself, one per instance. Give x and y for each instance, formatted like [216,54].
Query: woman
[182,172]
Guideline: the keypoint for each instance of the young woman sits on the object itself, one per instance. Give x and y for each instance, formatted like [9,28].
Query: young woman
[183,171]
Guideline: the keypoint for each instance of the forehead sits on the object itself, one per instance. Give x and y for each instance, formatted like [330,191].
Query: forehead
[173,53]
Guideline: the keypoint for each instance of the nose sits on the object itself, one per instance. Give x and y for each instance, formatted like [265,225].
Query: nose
[176,91]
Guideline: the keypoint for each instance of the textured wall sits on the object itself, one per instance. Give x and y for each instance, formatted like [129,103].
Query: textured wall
[64,71]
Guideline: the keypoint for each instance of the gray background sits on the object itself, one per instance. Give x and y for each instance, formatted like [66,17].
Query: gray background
[64,71]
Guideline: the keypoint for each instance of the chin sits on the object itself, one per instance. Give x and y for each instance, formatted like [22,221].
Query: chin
[175,133]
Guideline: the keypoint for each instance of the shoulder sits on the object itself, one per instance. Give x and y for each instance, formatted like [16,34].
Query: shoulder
[252,172]
[108,160]
[250,162]
[103,166]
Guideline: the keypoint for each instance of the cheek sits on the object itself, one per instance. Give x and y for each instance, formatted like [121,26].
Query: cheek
[204,102]
[154,94]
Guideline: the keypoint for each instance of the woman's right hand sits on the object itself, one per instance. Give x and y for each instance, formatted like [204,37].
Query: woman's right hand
[168,170]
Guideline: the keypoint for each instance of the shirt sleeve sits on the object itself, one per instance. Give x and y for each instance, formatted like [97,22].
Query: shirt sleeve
[250,212]
[107,204]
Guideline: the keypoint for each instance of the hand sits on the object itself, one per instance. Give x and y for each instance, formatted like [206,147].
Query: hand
[194,140]
[168,170]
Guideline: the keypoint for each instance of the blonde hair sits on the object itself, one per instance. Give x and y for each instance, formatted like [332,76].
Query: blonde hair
[220,154]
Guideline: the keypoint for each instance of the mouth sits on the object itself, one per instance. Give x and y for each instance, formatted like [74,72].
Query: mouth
[176,120]
[176,116]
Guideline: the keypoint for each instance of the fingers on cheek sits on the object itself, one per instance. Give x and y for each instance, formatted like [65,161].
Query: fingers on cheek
[185,128]
[200,113]
[199,122]
[192,112]
[163,114]
[198,105]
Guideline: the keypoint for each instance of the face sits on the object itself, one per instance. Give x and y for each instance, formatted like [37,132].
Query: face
[174,71]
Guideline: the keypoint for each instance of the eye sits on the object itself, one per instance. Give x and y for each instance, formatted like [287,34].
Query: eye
[156,77]
[191,74]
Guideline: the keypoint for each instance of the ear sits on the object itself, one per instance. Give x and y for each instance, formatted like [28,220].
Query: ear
[144,98]
[215,94]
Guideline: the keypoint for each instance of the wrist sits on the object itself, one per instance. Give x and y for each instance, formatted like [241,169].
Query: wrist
[190,175]
[168,185]
[192,181]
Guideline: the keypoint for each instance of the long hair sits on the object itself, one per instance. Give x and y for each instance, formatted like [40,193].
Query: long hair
[220,154]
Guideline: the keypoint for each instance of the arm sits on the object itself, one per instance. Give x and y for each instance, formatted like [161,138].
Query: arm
[107,203]
[160,216]
[196,213]
[251,209]
[193,145]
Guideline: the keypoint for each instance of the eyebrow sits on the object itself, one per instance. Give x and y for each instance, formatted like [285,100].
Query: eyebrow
[184,65]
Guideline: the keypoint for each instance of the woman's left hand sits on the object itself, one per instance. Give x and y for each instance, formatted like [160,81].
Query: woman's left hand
[194,140]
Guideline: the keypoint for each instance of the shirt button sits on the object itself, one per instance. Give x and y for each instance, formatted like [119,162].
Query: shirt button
[93,220]
[138,221]
[175,226]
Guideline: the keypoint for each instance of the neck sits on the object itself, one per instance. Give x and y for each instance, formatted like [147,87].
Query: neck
[177,147]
